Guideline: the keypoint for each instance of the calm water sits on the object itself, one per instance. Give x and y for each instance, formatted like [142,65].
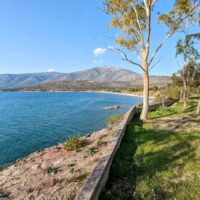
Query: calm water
[35,120]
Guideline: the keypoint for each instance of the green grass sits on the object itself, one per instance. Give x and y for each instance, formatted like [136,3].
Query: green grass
[74,143]
[156,164]
[175,109]
[114,119]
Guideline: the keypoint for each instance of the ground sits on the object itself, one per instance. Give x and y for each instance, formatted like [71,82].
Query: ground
[158,159]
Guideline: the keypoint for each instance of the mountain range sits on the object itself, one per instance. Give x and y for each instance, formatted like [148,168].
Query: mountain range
[98,74]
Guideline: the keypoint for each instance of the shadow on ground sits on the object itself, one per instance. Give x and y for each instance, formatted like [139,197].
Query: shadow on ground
[145,158]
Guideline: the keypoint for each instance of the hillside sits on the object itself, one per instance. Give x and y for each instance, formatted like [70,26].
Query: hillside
[104,74]
[91,85]
[98,74]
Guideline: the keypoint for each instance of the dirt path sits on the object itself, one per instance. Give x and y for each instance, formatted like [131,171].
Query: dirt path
[187,122]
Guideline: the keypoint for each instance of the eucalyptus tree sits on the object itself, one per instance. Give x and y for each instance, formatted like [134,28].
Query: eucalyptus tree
[133,18]
[188,74]
[197,86]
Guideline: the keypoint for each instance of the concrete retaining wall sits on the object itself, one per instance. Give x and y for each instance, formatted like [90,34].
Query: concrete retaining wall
[98,178]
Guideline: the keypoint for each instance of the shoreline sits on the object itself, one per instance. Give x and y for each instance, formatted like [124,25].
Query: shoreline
[90,91]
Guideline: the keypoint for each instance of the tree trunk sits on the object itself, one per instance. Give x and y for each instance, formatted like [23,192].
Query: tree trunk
[145,106]
[181,95]
[163,104]
[184,96]
[198,108]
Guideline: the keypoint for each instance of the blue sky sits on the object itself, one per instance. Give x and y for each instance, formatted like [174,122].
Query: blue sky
[62,35]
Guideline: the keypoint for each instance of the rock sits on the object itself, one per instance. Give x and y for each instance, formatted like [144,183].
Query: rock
[35,167]
[45,165]
[114,107]
[57,163]
[88,135]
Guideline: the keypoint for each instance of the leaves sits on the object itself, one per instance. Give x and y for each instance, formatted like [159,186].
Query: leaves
[187,48]
[128,43]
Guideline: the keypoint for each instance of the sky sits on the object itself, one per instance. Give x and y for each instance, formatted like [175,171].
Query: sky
[67,36]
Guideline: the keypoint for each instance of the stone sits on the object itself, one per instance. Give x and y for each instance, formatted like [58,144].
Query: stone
[35,167]
[58,162]
[45,165]
[114,107]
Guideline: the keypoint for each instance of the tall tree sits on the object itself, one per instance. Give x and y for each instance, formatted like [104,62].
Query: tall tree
[186,48]
[134,20]
[197,86]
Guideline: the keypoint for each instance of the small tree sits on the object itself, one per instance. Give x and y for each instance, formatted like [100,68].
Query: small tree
[134,19]
[188,73]
[197,85]
[176,84]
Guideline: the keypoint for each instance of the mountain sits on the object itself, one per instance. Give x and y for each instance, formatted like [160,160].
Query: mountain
[98,74]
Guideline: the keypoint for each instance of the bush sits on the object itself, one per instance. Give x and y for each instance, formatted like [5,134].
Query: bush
[114,119]
[74,143]
[52,170]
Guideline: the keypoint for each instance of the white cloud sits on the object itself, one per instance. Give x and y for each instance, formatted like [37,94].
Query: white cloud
[99,51]
[51,70]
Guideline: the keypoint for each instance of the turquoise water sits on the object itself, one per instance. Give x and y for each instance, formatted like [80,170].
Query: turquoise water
[31,121]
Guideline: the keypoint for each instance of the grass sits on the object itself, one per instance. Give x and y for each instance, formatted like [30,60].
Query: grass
[90,151]
[78,178]
[113,120]
[52,170]
[156,164]
[74,143]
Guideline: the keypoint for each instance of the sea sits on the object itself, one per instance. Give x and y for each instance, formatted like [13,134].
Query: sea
[31,121]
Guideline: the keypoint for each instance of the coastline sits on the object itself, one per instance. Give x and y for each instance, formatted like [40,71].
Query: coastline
[116,93]
[91,91]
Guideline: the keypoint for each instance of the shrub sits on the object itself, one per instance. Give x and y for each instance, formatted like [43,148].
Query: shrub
[52,170]
[100,142]
[90,151]
[114,119]
[74,143]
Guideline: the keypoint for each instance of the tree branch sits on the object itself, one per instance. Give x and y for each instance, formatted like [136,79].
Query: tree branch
[153,3]
[155,64]
[139,25]
[125,58]
[171,33]
[148,17]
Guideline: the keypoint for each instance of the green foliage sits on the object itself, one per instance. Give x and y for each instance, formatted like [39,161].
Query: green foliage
[136,89]
[176,81]
[74,143]
[114,119]
[90,151]
[76,178]
[52,170]
[117,90]
[182,9]
[187,49]
[100,142]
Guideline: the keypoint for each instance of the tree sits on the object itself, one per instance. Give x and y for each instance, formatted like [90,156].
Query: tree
[190,55]
[197,85]
[176,84]
[134,20]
